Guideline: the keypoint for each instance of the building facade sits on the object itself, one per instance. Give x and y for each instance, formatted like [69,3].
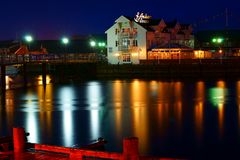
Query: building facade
[130,39]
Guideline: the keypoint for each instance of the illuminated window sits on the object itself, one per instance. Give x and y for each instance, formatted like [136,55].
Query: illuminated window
[135,43]
[126,58]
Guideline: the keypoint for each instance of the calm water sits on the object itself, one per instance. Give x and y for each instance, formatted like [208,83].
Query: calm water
[171,118]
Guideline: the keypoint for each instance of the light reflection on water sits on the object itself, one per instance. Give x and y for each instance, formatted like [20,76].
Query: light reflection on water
[168,117]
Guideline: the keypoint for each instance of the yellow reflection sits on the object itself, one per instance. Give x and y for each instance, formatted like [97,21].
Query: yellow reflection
[9,81]
[198,110]
[140,112]
[40,79]
[46,107]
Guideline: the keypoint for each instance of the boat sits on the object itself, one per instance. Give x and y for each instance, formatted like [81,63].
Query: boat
[95,145]
[11,70]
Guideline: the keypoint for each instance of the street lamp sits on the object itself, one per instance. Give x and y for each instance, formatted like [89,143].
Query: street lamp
[28,39]
[218,41]
[65,42]
[92,43]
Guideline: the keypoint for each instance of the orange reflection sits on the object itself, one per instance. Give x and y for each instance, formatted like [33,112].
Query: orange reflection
[221,119]
[178,105]
[221,84]
[163,119]
[45,98]
[118,98]
[238,103]
[9,109]
[140,112]
[164,92]
[198,110]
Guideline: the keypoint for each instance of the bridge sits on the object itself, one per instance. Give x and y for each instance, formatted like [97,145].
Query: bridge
[42,59]
[12,59]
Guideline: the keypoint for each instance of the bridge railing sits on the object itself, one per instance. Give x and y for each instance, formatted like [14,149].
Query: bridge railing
[31,58]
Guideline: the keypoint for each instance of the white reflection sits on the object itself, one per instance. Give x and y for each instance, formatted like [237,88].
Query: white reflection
[67,97]
[32,127]
[94,99]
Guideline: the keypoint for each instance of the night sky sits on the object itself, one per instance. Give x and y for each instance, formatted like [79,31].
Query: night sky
[51,19]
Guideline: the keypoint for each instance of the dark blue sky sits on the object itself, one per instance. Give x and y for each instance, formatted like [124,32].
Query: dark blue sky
[50,19]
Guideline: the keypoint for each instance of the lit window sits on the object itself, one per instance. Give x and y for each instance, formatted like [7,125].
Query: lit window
[135,43]
[126,58]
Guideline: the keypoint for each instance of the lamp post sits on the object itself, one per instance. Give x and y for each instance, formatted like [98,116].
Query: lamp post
[28,39]
[218,41]
[97,46]
[65,42]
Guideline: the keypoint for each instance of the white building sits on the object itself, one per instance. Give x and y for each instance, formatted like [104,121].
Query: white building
[130,39]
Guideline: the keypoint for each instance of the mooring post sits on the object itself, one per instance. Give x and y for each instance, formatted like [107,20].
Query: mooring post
[3,84]
[130,149]
[44,73]
[19,141]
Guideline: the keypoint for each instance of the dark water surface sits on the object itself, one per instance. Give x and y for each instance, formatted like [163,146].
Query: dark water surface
[191,119]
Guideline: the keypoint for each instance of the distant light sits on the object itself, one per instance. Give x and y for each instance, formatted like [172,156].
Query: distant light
[92,43]
[219,40]
[28,38]
[220,51]
[101,44]
[214,40]
[65,40]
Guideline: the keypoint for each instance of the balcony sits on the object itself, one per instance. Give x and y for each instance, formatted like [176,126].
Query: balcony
[127,48]
[127,35]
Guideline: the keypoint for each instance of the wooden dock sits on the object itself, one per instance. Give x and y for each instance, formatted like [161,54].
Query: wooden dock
[29,151]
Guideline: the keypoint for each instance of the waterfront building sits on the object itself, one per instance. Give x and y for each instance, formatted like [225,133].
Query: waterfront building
[130,40]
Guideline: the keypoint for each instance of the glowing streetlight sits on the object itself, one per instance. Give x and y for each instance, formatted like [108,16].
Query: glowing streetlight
[28,38]
[65,40]
[101,44]
[217,40]
[93,44]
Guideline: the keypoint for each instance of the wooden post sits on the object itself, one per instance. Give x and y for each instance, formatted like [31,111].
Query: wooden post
[3,84]
[44,70]
[130,149]
[19,140]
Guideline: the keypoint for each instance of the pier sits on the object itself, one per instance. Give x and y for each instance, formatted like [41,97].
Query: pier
[30,151]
